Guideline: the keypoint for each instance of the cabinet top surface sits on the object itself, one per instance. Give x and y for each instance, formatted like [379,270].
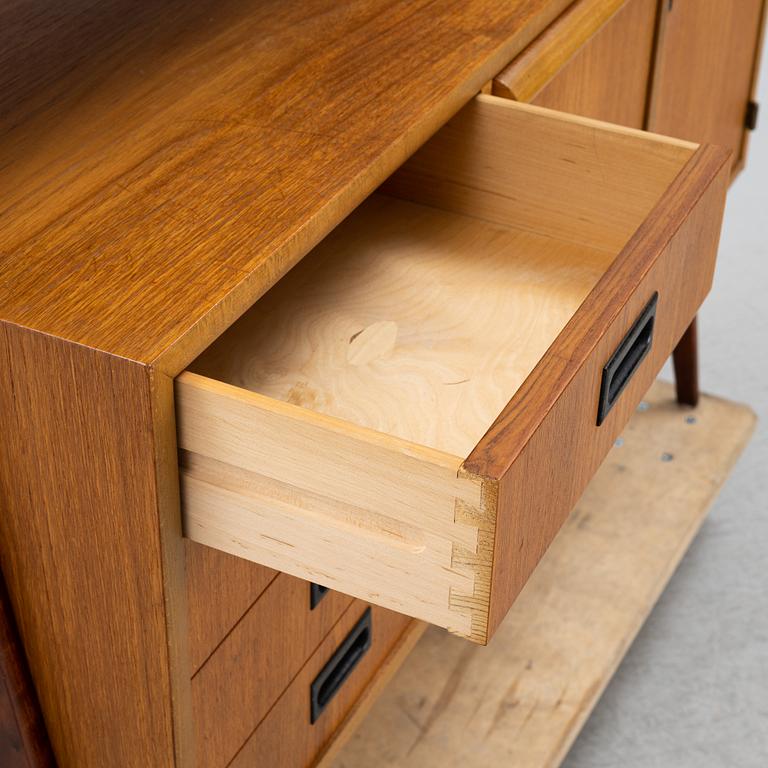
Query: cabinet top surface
[162,164]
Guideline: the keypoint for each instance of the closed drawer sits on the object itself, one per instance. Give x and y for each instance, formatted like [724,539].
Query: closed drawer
[594,61]
[327,687]
[236,687]
[412,412]
[221,589]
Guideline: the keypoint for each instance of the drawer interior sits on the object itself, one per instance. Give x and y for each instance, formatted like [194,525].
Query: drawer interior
[410,320]
[334,431]
[422,314]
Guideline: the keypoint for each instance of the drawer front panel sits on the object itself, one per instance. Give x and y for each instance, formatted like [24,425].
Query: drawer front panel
[287,737]
[552,423]
[220,590]
[256,662]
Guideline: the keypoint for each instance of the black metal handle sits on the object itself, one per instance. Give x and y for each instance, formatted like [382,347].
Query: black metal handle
[347,656]
[626,359]
[316,594]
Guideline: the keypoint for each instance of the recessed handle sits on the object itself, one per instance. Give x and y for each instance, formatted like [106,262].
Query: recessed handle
[347,656]
[316,594]
[626,359]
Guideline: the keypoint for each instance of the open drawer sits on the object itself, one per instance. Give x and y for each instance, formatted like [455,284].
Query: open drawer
[411,413]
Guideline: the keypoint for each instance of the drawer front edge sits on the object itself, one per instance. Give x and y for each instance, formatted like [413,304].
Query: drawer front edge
[551,422]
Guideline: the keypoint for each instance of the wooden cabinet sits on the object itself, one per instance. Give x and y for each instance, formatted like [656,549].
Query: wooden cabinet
[392,419]
[595,60]
[706,64]
[383,416]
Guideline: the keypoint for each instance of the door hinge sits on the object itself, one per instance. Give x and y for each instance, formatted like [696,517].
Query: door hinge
[750,120]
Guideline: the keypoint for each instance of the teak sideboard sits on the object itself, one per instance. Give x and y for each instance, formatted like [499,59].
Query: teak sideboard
[316,319]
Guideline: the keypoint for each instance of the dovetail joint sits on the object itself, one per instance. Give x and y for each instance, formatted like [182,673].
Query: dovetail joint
[480,561]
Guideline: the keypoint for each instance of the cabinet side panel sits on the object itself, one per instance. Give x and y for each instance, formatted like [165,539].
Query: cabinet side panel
[82,548]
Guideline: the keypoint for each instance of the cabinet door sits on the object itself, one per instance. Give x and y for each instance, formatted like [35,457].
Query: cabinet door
[705,65]
[594,61]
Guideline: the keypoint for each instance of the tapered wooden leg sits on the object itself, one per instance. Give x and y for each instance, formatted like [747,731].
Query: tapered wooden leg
[685,358]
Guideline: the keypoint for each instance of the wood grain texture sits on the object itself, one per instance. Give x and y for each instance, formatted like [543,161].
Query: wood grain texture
[423,331]
[23,738]
[356,510]
[552,417]
[239,683]
[285,737]
[93,568]
[525,77]
[703,74]
[523,700]
[595,61]
[691,206]
[381,332]
[522,166]
[164,165]
[220,591]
